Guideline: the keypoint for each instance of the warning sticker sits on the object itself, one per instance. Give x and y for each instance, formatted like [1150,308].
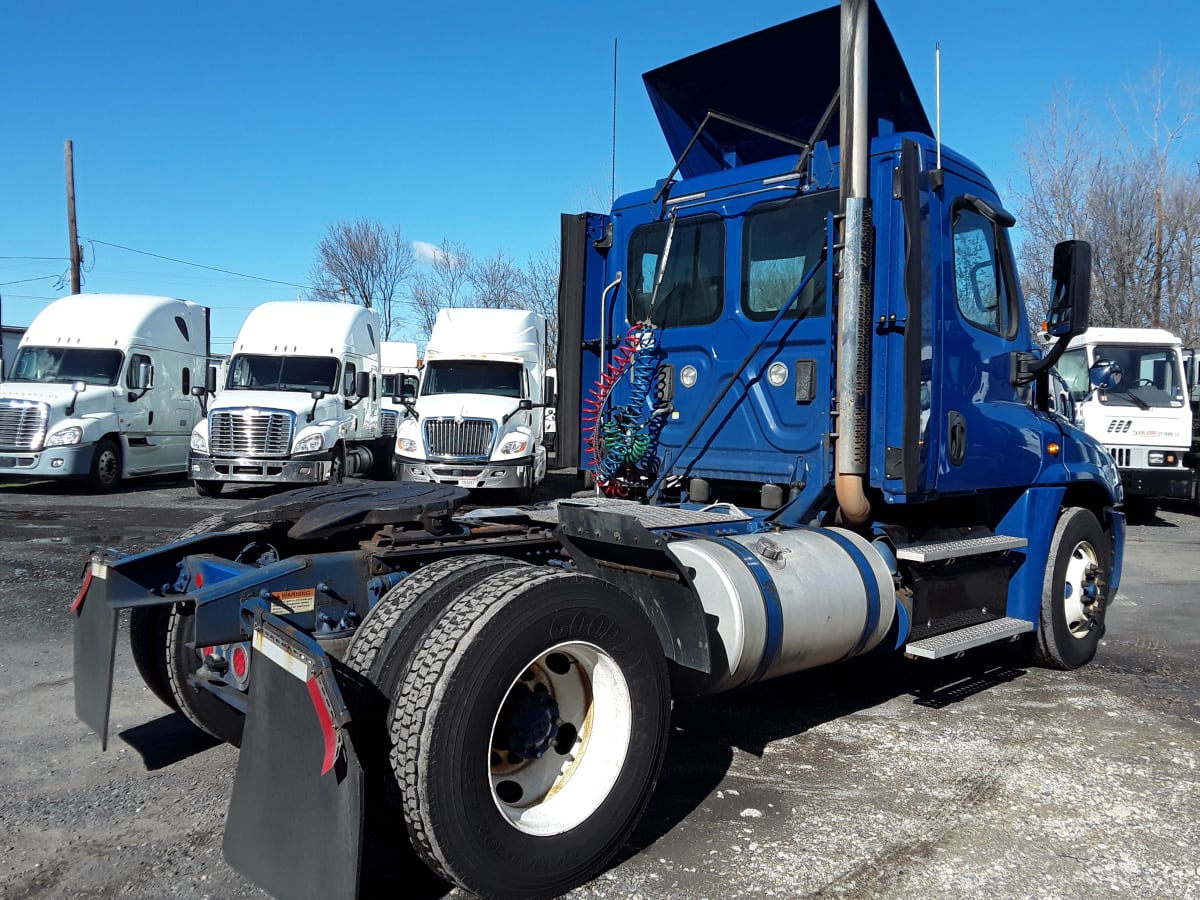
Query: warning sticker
[286,602]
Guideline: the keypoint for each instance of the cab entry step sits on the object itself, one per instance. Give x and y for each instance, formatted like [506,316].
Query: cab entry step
[965,638]
[931,551]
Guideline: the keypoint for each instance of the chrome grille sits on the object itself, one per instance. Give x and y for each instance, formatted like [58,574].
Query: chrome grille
[387,420]
[242,433]
[468,439]
[22,424]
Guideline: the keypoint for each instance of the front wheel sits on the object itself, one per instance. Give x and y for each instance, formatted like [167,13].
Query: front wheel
[209,488]
[105,473]
[529,732]
[1074,592]
[337,465]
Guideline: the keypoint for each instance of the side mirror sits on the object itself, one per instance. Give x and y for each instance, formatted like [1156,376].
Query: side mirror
[362,386]
[78,387]
[210,379]
[1105,374]
[525,404]
[1071,290]
[143,378]
[199,390]
[1070,308]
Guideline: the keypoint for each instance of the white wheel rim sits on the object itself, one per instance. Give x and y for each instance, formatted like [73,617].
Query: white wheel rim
[1080,590]
[572,704]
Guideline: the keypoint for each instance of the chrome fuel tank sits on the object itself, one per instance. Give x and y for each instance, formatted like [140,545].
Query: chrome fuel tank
[784,601]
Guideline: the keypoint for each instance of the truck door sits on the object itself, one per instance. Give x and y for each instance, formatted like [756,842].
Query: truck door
[985,431]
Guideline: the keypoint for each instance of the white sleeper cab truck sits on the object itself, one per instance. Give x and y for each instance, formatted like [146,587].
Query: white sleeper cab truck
[99,389]
[479,414]
[299,403]
[1145,421]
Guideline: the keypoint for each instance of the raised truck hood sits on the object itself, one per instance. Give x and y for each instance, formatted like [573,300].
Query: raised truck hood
[781,79]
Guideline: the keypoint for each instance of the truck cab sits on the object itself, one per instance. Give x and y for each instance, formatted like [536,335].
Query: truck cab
[98,389]
[1144,418]
[480,412]
[300,403]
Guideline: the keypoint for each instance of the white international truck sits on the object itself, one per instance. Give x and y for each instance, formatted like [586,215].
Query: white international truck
[479,419]
[300,403]
[99,389]
[1145,422]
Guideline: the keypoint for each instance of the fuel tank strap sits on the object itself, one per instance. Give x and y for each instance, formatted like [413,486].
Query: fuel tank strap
[772,605]
[874,601]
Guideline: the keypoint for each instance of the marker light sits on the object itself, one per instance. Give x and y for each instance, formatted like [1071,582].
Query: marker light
[777,374]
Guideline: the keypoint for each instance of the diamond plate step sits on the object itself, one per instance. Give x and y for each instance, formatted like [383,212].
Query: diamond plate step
[965,638]
[931,551]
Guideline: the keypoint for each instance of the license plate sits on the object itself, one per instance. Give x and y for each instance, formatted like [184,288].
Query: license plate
[468,482]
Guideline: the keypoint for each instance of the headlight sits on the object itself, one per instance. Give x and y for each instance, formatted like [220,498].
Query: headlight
[199,444]
[310,444]
[407,445]
[514,446]
[72,435]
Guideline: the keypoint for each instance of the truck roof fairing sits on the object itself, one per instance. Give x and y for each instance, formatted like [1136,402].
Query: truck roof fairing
[780,79]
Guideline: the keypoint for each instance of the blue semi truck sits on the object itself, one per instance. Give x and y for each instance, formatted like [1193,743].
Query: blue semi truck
[817,426]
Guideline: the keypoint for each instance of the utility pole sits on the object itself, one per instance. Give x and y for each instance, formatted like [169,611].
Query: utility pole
[73,235]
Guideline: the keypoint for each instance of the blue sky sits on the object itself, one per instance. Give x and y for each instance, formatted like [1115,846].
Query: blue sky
[231,133]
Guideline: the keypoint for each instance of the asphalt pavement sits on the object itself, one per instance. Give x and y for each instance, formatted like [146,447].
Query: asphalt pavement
[879,778]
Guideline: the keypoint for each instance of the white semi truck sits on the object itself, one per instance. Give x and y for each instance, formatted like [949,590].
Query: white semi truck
[479,415]
[1145,421]
[99,389]
[300,404]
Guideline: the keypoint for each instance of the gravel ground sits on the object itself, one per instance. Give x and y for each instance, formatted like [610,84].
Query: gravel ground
[977,778]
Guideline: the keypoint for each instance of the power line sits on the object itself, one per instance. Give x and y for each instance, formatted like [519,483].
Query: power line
[27,280]
[184,262]
[40,258]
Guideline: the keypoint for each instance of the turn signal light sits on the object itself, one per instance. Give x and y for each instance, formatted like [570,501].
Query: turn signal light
[1053,448]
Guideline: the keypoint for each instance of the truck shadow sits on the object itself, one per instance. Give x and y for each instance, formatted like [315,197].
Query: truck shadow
[706,731]
[167,740]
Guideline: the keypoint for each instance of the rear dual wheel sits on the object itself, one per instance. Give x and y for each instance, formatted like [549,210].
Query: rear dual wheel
[529,731]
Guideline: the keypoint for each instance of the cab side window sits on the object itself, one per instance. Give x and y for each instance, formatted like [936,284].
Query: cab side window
[985,296]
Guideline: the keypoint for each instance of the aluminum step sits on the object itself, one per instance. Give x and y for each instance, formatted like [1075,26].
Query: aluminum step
[931,551]
[965,638]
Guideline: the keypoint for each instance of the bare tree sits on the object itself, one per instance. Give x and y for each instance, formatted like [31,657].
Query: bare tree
[363,262]
[539,287]
[496,282]
[445,285]
[1122,190]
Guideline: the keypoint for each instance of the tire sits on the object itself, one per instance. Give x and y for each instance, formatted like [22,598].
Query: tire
[386,638]
[527,668]
[147,643]
[382,646]
[209,488]
[1074,592]
[105,473]
[205,710]
[149,625]
[337,466]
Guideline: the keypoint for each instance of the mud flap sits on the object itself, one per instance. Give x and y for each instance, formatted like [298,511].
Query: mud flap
[95,637]
[293,831]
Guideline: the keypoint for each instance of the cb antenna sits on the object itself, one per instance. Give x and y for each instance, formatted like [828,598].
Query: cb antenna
[613,183]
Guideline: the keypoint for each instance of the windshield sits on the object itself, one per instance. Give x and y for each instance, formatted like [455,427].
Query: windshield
[500,379]
[64,365]
[252,372]
[1150,376]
